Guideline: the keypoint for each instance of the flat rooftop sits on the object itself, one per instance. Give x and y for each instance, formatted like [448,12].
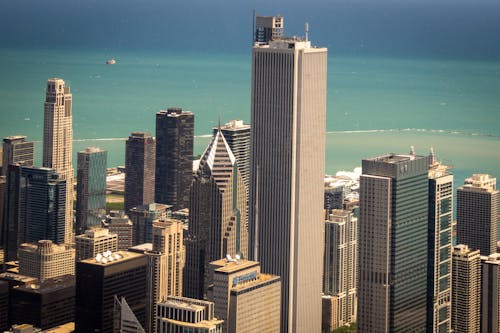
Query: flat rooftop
[228,267]
[394,158]
[113,258]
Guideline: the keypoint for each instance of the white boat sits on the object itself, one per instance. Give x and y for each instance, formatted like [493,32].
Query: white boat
[111,61]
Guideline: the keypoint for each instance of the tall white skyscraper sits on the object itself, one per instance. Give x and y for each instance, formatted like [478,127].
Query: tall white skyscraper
[58,141]
[287,170]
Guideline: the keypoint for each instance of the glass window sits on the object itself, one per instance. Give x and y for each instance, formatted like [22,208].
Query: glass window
[444,222]
[444,284]
[445,205]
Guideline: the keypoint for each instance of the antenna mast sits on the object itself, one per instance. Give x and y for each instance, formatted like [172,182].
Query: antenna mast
[307,32]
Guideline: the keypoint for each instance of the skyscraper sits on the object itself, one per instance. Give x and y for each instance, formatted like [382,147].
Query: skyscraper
[490,293]
[268,28]
[90,189]
[340,263]
[237,135]
[466,289]
[16,150]
[99,280]
[142,218]
[217,215]
[477,213]
[58,142]
[165,265]
[392,244]
[139,170]
[42,205]
[440,248]
[288,110]
[174,157]
[118,223]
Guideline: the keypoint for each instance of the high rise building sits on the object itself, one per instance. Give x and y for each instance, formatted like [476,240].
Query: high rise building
[440,248]
[237,135]
[168,239]
[90,189]
[174,157]
[268,28]
[12,234]
[288,109]
[46,260]
[58,142]
[330,313]
[142,218]
[466,290]
[100,279]
[3,195]
[392,278]
[182,314]
[140,153]
[246,299]
[340,263]
[16,150]
[118,223]
[46,304]
[4,305]
[94,241]
[477,213]
[42,205]
[217,215]
[490,293]
[165,265]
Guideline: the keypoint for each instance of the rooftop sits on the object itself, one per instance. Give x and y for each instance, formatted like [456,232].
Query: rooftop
[261,278]
[394,158]
[229,265]
[49,285]
[107,258]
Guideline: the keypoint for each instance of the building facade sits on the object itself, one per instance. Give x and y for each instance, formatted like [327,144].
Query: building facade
[174,157]
[392,280]
[58,142]
[16,150]
[237,135]
[99,280]
[217,215]
[182,314]
[94,241]
[340,263]
[288,109]
[46,260]
[466,290]
[118,223]
[477,213]
[140,150]
[490,293]
[90,189]
[439,261]
[142,218]
[46,304]
[246,299]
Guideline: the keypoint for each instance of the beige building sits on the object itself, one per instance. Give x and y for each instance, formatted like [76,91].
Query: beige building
[340,263]
[246,299]
[165,265]
[94,241]
[288,109]
[182,314]
[466,290]
[46,260]
[118,223]
[58,142]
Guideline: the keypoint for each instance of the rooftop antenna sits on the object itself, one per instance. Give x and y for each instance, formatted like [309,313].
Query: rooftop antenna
[307,32]
[412,150]
[432,156]
[218,126]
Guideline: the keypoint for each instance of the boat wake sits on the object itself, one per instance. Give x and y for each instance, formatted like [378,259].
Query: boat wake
[417,130]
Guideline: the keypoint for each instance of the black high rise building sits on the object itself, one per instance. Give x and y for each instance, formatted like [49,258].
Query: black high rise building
[174,157]
[139,170]
[99,279]
[34,207]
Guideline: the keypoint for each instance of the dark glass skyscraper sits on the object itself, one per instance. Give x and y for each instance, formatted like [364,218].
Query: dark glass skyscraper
[392,244]
[139,170]
[90,189]
[43,205]
[174,157]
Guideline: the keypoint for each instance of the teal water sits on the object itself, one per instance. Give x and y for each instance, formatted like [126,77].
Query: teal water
[375,104]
